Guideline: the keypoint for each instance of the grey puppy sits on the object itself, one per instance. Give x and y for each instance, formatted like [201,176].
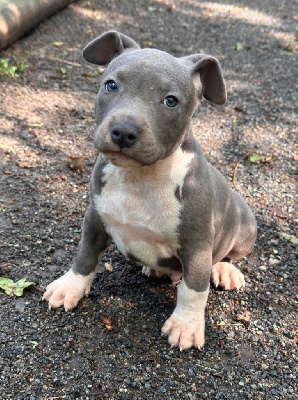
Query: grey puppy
[152,190]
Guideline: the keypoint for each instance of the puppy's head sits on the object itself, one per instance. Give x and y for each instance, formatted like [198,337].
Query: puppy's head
[147,97]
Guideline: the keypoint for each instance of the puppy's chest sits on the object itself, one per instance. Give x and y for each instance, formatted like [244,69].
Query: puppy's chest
[141,212]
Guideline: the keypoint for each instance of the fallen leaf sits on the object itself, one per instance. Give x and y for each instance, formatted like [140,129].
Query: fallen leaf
[108,323]
[14,288]
[292,238]
[147,43]
[239,46]
[63,71]
[76,163]
[24,164]
[255,158]
[245,317]
[34,344]
[291,47]
[85,304]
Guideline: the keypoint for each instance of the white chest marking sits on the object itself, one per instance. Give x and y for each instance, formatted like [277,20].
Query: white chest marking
[139,207]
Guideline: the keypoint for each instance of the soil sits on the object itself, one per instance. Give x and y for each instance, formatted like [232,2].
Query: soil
[110,346]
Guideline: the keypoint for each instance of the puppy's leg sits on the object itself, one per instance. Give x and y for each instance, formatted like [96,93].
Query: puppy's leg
[71,287]
[186,326]
[227,276]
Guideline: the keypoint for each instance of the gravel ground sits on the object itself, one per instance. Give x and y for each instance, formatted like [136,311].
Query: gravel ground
[110,346]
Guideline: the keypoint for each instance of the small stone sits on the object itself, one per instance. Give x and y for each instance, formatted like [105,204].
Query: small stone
[273,261]
[264,367]
[108,267]
[263,268]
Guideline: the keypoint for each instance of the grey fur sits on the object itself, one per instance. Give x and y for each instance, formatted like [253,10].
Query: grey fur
[212,213]
[152,190]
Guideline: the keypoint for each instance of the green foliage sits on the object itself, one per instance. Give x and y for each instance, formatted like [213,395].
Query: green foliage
[239,46]
[10,67]
[255,158]
[14,288]
[6,69]
[292,238]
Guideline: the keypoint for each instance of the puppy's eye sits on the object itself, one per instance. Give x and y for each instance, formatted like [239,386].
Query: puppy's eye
[111,86]
[170,101]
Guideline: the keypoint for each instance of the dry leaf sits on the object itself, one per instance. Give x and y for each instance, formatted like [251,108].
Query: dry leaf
[23,164]
[245,317]
[108,323]
[291,47]
[76,163]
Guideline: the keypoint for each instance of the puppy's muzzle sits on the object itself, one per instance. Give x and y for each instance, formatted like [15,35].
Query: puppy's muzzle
[125,133]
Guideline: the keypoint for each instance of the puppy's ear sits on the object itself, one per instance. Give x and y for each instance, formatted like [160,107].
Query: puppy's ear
[108,46]
[209,71]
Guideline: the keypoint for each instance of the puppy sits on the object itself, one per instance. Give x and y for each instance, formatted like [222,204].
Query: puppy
[152,191]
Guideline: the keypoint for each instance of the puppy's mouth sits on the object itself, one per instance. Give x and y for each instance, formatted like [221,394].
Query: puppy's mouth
[120,159]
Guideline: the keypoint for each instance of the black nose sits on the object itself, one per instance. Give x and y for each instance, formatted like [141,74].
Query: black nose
[125,133]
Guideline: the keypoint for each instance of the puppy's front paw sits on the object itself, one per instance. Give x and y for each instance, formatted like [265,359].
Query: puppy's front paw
[227,276]
[185,331]
[68,290]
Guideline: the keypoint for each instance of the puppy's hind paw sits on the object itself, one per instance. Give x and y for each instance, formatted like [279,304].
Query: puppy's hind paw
[227,276]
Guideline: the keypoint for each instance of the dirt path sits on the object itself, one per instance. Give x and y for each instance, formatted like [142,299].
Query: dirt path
[46,117]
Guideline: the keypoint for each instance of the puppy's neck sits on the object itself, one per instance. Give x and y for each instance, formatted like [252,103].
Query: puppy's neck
[171,168]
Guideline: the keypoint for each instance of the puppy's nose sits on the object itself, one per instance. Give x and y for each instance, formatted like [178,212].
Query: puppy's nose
[125,133]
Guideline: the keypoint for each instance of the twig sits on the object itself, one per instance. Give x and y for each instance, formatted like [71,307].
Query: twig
[239,162]
[64,61]
[223,324]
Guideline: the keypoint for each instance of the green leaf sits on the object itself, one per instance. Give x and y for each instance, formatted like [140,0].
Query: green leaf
[6,69]
[14,288]
[292,238]
[58,44]
[239,46]
[147,43]
[254,158]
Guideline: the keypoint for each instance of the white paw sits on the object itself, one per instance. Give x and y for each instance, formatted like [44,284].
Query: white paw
[186,326]
[153,273]
[185,331]
[227,275]
[146,271]
[68,290]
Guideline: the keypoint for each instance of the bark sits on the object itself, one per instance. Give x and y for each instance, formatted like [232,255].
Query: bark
[18,17]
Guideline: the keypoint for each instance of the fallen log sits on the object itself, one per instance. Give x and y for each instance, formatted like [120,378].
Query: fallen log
[18,17]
